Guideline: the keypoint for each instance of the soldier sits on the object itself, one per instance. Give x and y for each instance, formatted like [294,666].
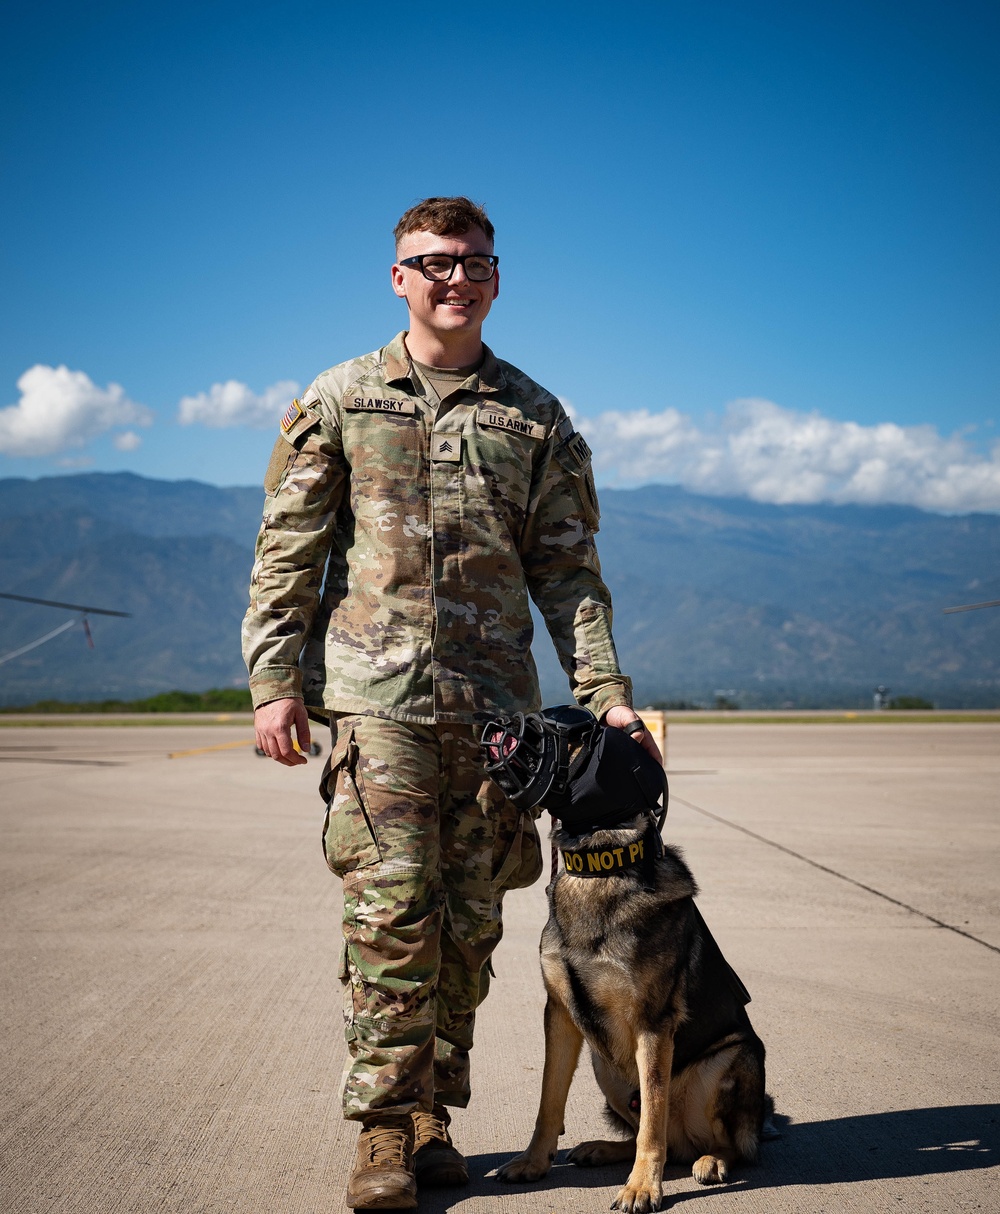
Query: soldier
[416,496]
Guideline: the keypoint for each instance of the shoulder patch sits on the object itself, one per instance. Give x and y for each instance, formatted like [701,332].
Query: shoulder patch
[281,458]
[297,420]
[575,453]
[292,415]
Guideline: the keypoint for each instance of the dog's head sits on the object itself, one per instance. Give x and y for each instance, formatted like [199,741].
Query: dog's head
[588,776]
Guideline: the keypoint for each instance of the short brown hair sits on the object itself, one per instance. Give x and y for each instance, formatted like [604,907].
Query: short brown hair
[444,217]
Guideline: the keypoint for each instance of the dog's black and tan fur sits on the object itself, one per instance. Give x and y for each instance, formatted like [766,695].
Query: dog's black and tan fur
[634,972]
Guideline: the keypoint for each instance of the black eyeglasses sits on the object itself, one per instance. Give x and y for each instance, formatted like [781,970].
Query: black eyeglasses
[439,267]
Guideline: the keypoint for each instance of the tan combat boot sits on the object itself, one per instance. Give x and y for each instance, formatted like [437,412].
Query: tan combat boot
[383,1168]
[435,1160]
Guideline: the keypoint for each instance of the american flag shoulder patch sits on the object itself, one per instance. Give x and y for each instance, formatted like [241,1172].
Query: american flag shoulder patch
[292,415]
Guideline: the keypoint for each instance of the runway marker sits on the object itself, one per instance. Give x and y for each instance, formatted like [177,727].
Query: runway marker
[833,872]
[201,750]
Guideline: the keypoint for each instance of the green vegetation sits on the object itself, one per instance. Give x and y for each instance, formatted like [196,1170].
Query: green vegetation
[219,699]
[910,702]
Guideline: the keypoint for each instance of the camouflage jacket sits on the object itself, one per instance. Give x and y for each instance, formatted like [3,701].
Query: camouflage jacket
[402,537]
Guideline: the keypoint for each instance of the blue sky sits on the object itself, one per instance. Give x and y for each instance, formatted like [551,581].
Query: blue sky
[790,207]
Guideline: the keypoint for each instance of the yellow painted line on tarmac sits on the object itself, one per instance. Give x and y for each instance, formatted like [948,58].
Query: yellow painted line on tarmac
[202,750]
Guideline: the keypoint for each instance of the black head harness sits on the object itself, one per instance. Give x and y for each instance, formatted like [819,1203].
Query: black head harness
[589,776]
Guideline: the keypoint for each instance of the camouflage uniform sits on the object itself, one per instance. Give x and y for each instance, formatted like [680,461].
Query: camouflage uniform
[432,522]
[426,846]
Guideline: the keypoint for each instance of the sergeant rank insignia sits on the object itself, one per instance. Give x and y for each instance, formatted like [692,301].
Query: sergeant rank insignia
[446,448]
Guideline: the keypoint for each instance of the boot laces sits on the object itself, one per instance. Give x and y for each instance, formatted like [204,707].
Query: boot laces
[387,1144]
[433,1126]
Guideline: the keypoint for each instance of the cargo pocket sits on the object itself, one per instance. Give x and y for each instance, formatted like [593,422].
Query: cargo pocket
[522,864]
[349,837]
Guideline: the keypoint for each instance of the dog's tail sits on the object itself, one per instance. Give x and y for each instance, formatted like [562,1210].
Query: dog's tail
[768,1130]
[748,1136]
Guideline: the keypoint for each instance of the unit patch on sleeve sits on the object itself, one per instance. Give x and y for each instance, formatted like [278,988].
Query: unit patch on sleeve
[513,423]
[379,404]
[578,450]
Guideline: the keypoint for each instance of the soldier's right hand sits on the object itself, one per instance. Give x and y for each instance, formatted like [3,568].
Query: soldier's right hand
[273,724]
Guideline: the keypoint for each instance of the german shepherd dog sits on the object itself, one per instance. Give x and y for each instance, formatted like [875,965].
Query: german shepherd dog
[631,968]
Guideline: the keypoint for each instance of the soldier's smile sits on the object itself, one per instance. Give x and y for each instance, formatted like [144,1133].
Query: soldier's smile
[457,305]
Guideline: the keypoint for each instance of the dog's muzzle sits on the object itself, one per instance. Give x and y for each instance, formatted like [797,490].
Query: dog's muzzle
[589,776]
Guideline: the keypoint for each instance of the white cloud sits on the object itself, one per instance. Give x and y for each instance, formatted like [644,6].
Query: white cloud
[62,409]
[771,454]
[128,440]
[233,404]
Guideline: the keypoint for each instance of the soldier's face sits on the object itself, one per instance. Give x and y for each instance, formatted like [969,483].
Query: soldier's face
[458,305]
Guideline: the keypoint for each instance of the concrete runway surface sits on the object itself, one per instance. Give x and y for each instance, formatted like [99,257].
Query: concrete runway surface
[172,1033]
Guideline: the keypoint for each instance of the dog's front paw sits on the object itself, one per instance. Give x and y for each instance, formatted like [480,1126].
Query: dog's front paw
[643,1192]
[524,1168]
[710,1169]
[597,1153]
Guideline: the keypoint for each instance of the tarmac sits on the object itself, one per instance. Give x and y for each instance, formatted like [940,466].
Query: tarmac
[172,1029]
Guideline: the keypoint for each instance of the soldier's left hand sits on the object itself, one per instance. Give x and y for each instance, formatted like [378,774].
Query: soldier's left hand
[620,716]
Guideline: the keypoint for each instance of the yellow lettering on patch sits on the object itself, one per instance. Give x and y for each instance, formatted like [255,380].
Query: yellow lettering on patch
[603,861]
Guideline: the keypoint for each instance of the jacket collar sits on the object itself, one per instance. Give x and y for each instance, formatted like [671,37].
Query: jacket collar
[490,378]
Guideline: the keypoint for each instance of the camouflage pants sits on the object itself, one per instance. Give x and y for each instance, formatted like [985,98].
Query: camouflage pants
[426,846]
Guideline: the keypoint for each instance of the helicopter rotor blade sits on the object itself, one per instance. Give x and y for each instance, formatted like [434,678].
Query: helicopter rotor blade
[970,607]
[23,598]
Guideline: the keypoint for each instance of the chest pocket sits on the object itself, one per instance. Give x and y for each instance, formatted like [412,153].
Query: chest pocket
[380,427]
[505,444]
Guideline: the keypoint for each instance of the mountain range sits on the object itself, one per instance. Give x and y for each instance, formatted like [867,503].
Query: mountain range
[766,605]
